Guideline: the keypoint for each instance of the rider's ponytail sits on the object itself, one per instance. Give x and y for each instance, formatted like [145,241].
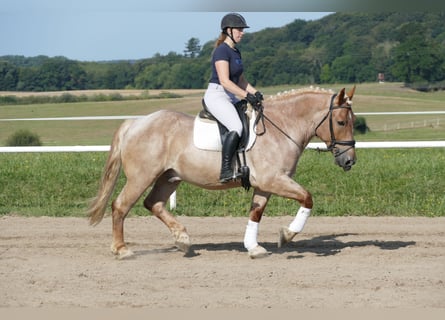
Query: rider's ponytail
[221,39]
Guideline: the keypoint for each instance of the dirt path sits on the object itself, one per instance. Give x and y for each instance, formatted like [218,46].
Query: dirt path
[336,262]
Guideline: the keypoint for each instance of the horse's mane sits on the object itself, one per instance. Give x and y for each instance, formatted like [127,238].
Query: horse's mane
[297,92]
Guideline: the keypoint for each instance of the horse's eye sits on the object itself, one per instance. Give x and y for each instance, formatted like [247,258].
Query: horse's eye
[341,123]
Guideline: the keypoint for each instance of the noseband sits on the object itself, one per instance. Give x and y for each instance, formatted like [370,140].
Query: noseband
[334,142]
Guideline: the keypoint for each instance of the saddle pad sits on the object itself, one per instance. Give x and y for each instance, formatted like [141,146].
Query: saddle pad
[206,134]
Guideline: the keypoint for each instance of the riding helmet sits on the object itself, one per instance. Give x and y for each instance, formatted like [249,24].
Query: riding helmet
[233,20]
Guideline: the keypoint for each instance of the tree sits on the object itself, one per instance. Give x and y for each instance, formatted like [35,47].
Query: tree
[62,74]
[192,48]
[381,59]
[9,76]
[30,80]
[418,57]
[154,76]
[314,58]
[187,75]
[119,75]
[325,74]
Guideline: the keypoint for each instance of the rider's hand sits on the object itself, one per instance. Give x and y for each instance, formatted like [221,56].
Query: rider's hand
[253,100]
[259,96]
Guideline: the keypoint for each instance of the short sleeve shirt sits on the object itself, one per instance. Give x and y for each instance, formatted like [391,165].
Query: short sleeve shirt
[233,56]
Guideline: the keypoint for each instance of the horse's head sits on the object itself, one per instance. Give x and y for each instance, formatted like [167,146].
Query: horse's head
[336,129]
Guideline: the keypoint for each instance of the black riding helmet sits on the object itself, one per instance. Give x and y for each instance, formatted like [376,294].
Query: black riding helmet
[233,20]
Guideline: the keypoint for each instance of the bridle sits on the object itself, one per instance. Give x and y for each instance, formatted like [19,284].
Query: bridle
[334,142]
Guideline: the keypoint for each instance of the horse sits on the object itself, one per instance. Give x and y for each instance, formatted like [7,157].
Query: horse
[158,151]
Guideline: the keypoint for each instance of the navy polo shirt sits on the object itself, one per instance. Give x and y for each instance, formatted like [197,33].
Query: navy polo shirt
[233,56]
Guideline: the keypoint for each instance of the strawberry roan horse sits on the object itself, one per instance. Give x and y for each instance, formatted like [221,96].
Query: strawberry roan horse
[158,151]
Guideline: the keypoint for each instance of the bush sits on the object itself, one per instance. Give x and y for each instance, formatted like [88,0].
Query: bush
[360,125]
[66,97]
[23,138]
[4,100]
[426,86]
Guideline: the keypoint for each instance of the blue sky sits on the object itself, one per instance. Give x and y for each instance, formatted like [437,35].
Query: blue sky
[97,30]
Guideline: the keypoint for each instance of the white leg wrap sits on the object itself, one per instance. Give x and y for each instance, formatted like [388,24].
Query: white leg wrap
[250,237]
[298,224]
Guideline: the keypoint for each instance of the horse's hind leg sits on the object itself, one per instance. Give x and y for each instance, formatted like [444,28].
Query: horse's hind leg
[120,208]
[155,202]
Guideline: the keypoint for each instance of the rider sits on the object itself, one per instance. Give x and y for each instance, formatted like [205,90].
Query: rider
[227,82]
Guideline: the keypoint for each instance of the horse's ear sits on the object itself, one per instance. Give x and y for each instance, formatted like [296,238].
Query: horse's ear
[351,93]
[340,97]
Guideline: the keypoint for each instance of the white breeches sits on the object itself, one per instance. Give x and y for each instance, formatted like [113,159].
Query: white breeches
[220,104]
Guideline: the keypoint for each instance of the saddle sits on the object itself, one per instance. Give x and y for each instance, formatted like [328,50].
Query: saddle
[207,129]
[241,108]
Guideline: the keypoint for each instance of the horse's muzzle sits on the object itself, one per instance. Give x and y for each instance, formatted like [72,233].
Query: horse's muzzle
[346,159]
[348,164]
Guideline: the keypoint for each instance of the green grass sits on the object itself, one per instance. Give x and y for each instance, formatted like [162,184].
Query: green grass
[405,182]
[401,182]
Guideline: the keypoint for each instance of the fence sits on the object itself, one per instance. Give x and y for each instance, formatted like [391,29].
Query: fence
[124,117]
[312,145]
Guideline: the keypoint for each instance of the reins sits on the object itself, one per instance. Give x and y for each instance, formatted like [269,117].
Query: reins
[261,116]
[351,143]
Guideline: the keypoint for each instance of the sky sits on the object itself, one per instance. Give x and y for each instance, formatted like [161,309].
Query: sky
[103,30]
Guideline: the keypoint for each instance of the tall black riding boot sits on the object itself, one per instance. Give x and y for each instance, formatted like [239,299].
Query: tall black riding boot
[228,150]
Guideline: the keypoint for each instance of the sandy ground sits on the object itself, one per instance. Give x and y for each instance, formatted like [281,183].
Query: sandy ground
[346,262]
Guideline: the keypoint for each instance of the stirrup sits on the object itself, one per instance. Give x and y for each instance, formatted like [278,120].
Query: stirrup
[237,175]
[225,179]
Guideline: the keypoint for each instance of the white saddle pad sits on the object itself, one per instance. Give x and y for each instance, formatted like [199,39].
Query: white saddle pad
[206,133]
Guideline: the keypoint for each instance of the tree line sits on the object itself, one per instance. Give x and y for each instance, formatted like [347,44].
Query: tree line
[341,47]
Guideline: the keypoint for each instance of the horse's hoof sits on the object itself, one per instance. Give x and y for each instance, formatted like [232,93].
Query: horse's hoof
[183,242]
[258,252]
[285,236]
[124,254]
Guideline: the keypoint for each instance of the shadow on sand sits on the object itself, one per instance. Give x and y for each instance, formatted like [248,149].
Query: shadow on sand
[325,245]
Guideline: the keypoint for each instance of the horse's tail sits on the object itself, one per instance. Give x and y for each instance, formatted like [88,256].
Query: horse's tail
[110,176]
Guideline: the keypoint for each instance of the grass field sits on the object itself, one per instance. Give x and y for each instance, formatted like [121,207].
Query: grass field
[369,98]
[383,182]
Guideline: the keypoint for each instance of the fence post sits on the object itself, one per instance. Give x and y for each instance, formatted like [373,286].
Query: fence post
[173,201]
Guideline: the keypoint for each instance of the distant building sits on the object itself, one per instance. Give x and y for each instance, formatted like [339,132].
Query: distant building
[381,77]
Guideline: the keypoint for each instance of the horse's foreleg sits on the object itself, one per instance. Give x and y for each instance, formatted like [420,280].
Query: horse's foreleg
[285,186]
[295,227]
[259,202]
[291,189]
[155,202]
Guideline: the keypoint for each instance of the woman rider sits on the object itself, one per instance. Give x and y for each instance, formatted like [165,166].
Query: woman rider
[226,83]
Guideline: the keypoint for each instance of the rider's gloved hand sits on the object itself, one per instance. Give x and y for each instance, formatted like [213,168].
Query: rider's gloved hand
[253,100]
[259,96]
